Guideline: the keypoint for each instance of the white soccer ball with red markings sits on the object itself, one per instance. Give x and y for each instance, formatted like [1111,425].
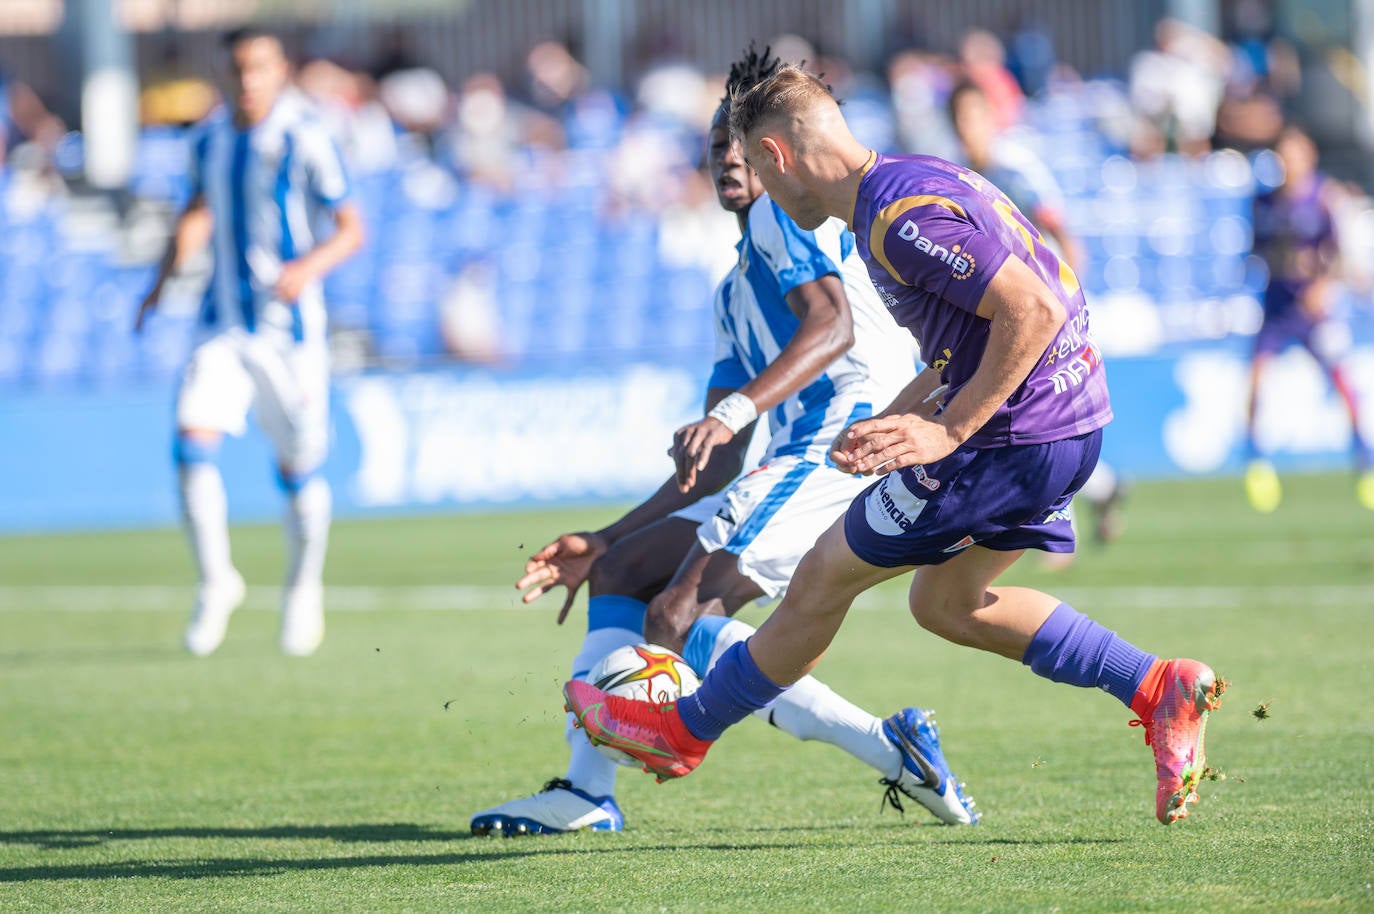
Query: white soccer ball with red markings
[643,672]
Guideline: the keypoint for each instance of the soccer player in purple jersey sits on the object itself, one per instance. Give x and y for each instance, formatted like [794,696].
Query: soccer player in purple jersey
[1002,321]
[1295,235]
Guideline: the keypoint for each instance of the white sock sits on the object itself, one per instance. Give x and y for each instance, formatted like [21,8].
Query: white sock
[205,513]
[812,710]
[588,769]
[307,518]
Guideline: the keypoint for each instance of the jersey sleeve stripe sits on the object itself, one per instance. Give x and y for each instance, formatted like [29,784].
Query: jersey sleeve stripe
[877,233]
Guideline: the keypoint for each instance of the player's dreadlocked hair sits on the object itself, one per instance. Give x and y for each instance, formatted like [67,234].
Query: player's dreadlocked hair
[760,87]
[750,70]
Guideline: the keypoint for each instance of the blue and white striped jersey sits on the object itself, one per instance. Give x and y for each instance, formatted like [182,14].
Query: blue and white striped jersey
[266,188]
[754,323]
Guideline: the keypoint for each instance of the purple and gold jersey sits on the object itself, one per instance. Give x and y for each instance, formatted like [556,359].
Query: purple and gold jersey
[1295,235]
[933,235]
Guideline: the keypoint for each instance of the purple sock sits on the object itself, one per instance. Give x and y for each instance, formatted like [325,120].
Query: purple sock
[1074,649]
[733,690]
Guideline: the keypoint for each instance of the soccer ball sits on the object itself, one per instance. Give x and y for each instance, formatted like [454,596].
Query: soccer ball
[644,672]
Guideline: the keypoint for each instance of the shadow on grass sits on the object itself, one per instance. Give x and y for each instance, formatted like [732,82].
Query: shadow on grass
[253,866]
[359,832]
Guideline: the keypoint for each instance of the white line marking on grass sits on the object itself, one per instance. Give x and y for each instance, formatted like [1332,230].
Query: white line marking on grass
[458,598]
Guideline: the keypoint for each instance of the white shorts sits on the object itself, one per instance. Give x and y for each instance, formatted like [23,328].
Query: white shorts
[285,385]
[772,516]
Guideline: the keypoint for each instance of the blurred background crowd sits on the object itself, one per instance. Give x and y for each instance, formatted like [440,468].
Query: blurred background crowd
[529,171]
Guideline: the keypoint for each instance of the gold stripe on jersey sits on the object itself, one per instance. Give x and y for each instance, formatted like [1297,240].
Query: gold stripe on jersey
[877,233]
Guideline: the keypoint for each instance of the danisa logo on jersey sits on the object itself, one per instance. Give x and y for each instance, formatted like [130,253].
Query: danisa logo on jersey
[960,264]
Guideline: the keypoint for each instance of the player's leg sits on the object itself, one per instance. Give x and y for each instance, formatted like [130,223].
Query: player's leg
[671,741]
[621,583]
[693,617]
[1328,342]
[292,403]
[1262,486]
[904,749]
[750,550]
[213,399]
[955,598]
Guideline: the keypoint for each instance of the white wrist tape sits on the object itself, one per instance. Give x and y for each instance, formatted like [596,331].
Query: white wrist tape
[735,411]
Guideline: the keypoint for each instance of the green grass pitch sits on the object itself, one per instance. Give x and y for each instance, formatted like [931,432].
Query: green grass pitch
[136,778]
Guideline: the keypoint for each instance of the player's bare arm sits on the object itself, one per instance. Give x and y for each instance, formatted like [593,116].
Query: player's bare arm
[191,234]
[826,332]
[567,561]
[1025,317]
[347,238]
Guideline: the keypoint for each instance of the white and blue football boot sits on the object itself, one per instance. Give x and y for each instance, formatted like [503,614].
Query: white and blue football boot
[925,776]
[559,807]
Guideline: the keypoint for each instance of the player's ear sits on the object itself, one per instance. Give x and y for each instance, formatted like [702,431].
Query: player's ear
[773,151]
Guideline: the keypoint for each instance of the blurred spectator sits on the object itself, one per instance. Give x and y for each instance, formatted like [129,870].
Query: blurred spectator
[1176,88]
[488,129]
[1265,74]
[920,84]
[560,86]
[469,320]
[1013,167]
[984,62]
[347,101]
[24,118]
[1030,55]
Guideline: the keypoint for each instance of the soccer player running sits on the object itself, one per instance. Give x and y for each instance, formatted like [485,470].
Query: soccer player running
[803,339]
[261,180]
[1002,322]
[1295,235]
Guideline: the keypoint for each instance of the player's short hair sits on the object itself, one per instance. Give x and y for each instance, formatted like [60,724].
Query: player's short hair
[235,37]
[787,90]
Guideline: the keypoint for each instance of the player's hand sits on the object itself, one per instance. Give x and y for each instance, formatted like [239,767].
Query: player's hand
[566,562]
[886,443]
[147,306]
[692,447]
[295,275]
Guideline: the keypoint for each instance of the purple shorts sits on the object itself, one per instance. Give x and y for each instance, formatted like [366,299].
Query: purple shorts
[1003,498]
[1282,329]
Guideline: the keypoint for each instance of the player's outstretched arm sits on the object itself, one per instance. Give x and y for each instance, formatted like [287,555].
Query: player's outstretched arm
[192,232]
[566,562]
[826,332]
[324,257]
[1025,317]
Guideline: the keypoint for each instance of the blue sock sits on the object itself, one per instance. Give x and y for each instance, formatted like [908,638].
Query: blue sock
[734,689]
[612,622]
[701,642]
[1073,649]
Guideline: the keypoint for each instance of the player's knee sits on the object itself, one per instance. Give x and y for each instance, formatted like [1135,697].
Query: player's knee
[195,446]
[669,619]
[944,614]
[292,480]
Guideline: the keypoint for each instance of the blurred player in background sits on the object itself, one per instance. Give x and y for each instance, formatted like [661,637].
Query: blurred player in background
[1003,323]
[1295,233]
[263,176]
[802,339]
[1020,174]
